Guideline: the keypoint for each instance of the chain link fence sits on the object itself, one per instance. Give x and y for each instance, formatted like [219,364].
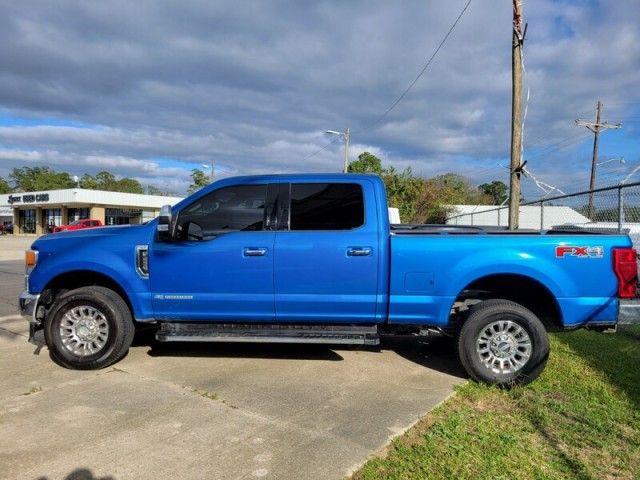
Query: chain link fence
[612,208]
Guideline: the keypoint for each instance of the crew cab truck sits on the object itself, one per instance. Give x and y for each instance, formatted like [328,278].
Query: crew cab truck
[313,258]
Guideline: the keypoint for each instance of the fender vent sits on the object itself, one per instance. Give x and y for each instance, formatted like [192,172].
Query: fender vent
[142,260]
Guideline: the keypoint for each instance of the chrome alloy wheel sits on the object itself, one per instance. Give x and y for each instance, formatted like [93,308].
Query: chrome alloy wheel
[503,346]
[84,330]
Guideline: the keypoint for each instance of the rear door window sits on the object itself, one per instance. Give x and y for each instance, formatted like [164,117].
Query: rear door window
[326,206]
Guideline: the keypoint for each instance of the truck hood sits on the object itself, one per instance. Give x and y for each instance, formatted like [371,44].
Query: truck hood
[105,235]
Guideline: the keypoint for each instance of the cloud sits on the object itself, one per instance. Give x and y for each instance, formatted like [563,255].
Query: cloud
[252,88]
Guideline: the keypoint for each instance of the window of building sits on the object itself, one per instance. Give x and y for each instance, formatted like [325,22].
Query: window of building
[51,217]
[77,214]
[326,206]
[227,209]
[27,220]
[122,216]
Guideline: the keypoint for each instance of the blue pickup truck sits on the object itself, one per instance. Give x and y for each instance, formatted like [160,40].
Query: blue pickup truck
[313,259]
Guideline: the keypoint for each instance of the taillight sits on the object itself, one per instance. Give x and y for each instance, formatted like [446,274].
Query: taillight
[625,267]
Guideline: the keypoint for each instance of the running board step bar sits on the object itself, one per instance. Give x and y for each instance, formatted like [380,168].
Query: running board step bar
[265,333]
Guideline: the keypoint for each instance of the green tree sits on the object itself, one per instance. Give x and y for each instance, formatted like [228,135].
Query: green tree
[497,190]
[108,181]
[89,182]
[434,203]
[402,187]
[4,186]
[421,200]
[456,189]
[32,179]
[366,163]
[153,190]
[200,179]
[129,185]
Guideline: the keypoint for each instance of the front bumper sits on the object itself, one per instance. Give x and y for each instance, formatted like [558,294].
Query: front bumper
[29,307]
[629,312]
[29,311]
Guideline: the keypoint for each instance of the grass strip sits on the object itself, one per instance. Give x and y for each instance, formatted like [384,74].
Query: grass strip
[579,420]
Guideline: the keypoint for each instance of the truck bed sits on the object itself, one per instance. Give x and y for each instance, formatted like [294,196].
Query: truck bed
[432,264]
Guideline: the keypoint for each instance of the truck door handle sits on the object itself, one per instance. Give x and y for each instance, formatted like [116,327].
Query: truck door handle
[359,251]
[255,251]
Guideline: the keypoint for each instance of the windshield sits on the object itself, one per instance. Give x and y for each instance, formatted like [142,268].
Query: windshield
[77,222]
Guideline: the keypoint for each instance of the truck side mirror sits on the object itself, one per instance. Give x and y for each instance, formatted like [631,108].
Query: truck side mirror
[164,224]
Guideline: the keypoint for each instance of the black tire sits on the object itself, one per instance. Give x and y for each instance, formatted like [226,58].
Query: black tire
[476,355]
[113,316]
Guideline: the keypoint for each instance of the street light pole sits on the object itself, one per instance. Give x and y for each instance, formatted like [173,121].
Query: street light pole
[346,150]
[211,167]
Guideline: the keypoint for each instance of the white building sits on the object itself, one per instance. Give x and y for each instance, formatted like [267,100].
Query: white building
[531,216]
[6,214]
[36,212]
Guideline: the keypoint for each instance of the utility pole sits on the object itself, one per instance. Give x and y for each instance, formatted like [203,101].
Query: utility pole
[516,114]
[595,127]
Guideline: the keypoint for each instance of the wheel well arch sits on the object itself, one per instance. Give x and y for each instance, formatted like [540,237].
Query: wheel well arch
[527,291]
[82,278]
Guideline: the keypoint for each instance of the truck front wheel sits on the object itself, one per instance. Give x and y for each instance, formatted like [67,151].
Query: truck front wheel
[89,328]
[503,343]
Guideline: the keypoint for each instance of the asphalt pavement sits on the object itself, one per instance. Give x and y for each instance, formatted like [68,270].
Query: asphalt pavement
[214,411]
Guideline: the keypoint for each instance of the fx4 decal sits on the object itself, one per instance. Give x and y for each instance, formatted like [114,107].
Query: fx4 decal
[580,252]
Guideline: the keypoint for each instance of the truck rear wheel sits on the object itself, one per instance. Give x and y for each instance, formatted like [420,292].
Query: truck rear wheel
[89,328]
[503,343]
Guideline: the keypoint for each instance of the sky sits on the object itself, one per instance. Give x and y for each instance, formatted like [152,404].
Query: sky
[153,89]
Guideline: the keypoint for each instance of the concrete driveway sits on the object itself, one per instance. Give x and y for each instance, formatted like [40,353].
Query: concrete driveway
[214,411]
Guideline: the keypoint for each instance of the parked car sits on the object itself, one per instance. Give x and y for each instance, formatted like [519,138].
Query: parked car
[313,259]
[78,225]
[6,228]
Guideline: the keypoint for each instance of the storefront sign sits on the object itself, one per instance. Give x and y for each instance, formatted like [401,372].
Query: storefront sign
[28,198]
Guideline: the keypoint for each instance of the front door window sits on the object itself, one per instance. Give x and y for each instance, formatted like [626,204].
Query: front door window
[238,208]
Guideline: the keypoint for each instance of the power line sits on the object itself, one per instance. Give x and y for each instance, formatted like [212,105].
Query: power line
[561,145]
[313,154]
[480,173]
[424,69]
[404,93]
[544,136]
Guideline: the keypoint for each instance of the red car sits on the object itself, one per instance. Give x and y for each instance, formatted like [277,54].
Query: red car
[78,225]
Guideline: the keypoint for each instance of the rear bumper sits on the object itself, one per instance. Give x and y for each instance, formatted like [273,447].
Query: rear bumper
[629,312]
